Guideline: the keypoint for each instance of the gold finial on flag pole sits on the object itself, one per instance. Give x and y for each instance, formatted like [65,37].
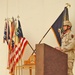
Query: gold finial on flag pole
[68,5]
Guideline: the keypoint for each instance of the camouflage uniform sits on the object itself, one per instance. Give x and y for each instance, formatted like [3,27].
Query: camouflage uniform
[68,46]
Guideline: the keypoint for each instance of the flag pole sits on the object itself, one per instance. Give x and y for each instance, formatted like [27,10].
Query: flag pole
[15,43]
[20,62]
[45,34]
[34,51]
[8,19]
[30,46]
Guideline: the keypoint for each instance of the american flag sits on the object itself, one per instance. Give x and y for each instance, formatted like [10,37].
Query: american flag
[17,53]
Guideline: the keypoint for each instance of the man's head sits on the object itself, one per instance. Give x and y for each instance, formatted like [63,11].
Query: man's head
[67,25]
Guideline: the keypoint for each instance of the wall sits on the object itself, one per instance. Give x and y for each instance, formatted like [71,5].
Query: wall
[36,17]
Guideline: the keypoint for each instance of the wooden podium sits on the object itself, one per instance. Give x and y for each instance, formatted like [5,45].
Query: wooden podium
[50,61]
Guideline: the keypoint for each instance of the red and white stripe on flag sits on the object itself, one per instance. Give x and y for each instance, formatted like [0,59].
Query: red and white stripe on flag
[17,53]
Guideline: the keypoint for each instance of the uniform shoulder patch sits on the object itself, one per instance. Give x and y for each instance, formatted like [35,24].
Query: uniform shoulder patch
[72,36]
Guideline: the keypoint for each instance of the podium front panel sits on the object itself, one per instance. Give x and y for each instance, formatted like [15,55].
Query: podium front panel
[50,61]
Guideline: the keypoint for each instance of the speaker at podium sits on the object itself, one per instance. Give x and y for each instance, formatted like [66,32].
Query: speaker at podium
[50,61]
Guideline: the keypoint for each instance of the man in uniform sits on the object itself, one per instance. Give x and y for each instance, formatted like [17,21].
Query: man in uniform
[68,44]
